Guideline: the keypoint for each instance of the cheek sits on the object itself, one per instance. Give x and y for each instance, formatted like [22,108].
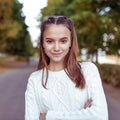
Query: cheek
[66,49]
[67,46]
[47,48]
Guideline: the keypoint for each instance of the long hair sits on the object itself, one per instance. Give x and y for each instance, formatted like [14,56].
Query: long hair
[71,65]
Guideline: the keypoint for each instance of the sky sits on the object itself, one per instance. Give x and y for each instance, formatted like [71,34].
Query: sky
[31,9]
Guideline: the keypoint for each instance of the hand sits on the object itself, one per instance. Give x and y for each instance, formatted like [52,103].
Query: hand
[88,103]
[42,116]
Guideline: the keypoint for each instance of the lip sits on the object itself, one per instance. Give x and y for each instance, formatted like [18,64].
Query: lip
[56,54]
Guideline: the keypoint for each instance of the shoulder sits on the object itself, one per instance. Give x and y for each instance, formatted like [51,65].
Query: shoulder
[90,72]
[88,66]
[35,76]
[36,73]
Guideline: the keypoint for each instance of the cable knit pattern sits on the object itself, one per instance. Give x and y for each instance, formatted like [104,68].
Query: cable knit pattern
[62,100]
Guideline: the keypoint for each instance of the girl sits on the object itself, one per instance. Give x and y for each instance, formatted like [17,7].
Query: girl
[63,88]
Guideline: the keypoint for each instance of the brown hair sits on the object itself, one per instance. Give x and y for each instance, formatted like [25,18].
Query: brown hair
[71,65]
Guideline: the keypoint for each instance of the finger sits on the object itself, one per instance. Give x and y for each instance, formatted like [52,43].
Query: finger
[88,103]
[42,116]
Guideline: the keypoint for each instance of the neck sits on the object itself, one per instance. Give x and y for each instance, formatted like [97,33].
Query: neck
[55,66]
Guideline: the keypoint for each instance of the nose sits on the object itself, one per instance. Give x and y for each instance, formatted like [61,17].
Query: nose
[56,46]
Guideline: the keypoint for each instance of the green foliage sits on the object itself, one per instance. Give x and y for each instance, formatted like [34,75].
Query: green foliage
[110,74]
[14,37]
[97,22]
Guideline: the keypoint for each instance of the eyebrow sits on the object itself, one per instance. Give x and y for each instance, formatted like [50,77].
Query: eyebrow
[64,38]
[60,38]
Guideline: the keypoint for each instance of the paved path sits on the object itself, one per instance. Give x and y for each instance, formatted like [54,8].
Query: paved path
[113,100]
[12,89]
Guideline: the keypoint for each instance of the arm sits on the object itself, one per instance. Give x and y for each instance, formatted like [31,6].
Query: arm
[31,107]
[98,110]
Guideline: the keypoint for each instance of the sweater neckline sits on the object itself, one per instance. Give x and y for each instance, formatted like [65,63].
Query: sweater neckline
[56,72]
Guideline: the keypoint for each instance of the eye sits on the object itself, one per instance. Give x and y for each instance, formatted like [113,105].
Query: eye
[49,41]
[63,40]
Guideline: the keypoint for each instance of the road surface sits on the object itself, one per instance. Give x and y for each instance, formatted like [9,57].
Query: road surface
[113,100]
[12,89]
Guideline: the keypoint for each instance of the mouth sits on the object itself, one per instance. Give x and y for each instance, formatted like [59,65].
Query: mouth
[56,54]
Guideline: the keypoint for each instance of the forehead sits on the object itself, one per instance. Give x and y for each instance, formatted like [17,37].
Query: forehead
[56,30]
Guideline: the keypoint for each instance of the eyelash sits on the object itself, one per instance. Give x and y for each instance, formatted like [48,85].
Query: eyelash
[63,41]
[49,41]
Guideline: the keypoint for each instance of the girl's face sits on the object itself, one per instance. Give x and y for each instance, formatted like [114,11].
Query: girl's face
[56,42]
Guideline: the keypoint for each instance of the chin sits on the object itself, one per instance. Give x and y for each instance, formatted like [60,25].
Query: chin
[57,60]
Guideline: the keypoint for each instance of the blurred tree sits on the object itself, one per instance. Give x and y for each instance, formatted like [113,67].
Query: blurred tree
[110,10]
[14,37]
[8,27]
[96,22]
[51,8]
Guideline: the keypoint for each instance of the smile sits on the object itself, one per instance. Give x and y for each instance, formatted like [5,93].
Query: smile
[56,54]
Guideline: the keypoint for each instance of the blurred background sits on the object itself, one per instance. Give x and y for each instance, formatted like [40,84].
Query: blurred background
[97,24]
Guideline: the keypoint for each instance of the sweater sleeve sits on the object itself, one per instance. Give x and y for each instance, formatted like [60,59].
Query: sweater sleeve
[31,107]
[98,110]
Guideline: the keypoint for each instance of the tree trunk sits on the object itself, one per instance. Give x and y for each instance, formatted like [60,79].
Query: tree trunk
[95,56]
